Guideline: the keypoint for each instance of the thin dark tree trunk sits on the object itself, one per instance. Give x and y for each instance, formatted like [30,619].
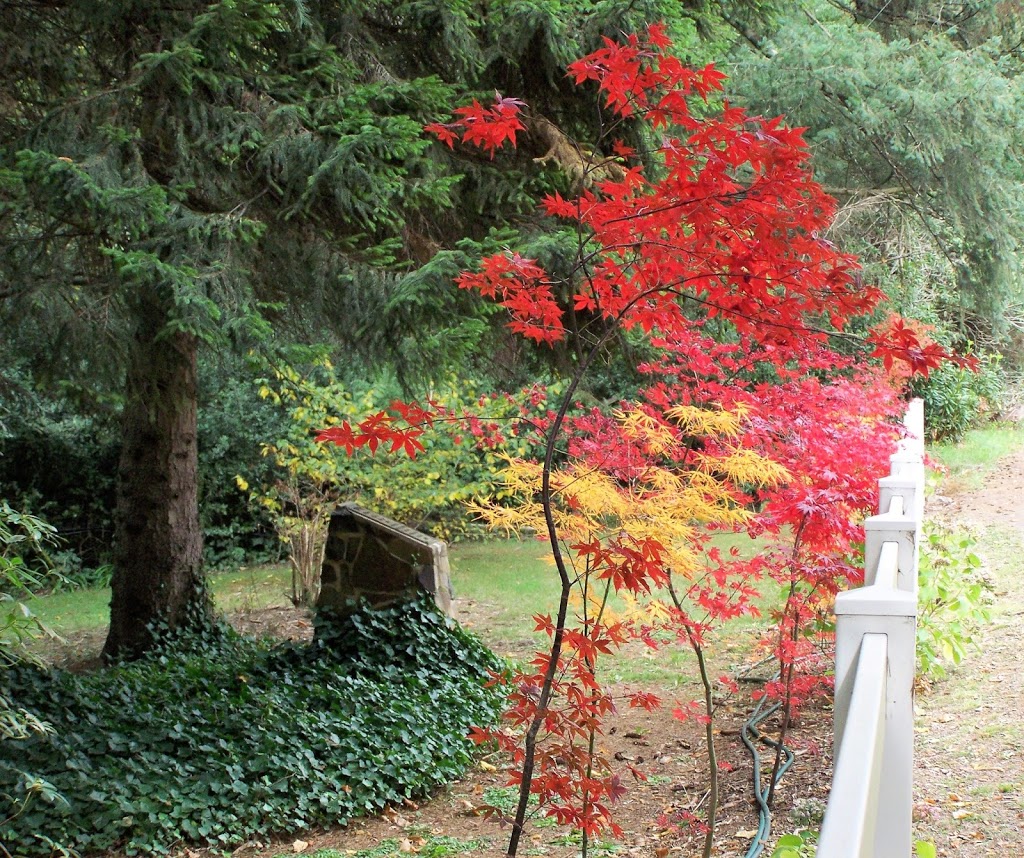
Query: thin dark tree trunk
[158,543]
[555,651]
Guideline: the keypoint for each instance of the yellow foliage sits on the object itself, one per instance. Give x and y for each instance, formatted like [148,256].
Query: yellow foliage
[653,612]
[640,426]
[704,421]
[665,504]
[746,466]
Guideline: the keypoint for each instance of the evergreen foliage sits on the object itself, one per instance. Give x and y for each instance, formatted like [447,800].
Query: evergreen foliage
[913,119]
[176,178]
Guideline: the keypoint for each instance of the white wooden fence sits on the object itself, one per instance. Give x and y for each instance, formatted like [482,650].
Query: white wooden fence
[870,805]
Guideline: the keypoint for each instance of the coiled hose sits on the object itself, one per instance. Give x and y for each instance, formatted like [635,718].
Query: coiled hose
[750,734]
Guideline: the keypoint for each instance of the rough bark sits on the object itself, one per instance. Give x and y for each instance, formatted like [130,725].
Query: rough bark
[157,556]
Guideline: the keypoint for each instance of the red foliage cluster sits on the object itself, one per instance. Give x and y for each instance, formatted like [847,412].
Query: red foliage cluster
[401,426]
[575,783]
[484,127]
[723,263]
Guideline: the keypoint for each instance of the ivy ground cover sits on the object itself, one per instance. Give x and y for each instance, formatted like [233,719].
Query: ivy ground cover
[217,738]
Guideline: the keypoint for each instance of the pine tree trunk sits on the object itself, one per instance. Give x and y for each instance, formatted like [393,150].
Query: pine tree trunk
[157,554]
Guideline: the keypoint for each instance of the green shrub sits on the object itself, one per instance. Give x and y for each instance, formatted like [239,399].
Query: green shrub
[953,599]
[802,844]
[20,535]
[216,738]
[463,456]
[955,398]
[233,424]
[62,468]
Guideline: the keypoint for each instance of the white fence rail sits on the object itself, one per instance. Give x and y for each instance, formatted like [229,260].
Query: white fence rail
[871,802]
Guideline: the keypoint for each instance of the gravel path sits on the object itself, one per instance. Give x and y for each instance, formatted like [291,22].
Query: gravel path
[969,778]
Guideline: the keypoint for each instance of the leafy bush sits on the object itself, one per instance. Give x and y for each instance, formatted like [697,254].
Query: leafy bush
[233,424]
[83,578]
[955,398]
[62,467]
[20,534]
[802,844]
[953,599]
[216,738]
[463,455]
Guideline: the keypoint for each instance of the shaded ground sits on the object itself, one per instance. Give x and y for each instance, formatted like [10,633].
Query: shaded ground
[969,779]
[969,793]
[669,752]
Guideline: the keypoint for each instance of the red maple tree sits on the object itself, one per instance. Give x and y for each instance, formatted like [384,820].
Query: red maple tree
[720,257]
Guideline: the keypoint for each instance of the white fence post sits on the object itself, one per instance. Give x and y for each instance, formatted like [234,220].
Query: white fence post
[901,528]
[872,611]
[870,806]
[903,486]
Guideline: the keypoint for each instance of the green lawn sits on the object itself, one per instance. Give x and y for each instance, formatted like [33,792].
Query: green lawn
[512,580]
[504,583]
[84,610]
[969,461]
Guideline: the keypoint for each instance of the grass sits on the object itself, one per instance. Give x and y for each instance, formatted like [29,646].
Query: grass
[510,580]
[73,610]
[77,611]
[971,460]
[514,578]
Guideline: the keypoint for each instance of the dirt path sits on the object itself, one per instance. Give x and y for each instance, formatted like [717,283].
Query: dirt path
[969,778]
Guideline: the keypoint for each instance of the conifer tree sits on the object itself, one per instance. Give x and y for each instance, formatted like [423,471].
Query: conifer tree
[188,175]
[912,110]
[166,171]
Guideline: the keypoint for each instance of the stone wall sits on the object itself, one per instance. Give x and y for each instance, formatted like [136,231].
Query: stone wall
[372,557]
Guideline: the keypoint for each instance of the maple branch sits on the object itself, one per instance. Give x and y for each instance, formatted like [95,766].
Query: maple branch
[735,196]
[709,733]
[729,311]
[555,651]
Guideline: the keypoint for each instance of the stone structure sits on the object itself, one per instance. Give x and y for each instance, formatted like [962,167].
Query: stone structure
[372,557]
